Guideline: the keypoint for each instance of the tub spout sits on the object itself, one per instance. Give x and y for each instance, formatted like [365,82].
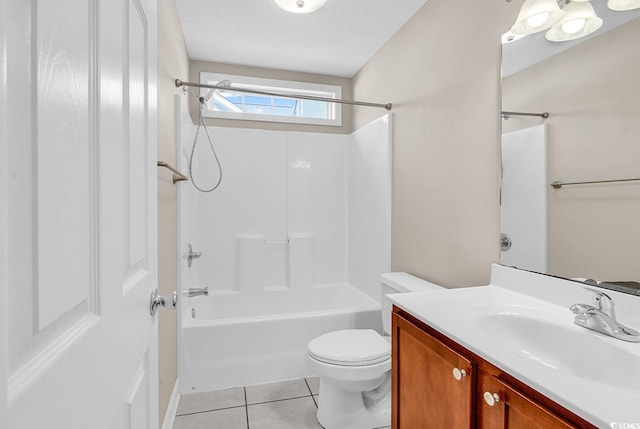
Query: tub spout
[191,292]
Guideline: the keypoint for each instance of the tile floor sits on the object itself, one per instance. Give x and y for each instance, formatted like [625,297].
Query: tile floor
[290,404]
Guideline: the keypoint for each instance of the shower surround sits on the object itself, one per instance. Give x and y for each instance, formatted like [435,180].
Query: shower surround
[293,243]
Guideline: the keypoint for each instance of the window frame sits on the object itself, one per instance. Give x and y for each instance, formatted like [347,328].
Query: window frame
[279,86]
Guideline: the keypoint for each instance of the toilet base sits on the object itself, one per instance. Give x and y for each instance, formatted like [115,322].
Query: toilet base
[342,409]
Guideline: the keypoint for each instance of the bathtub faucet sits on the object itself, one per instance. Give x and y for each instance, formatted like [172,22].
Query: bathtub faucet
[191,292]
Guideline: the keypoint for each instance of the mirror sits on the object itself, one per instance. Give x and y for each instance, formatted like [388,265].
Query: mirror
[591,89]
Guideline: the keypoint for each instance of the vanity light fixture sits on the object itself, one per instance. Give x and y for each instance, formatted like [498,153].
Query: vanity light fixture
[622,5]
[300,6]
[537,15]
[579,21]
[575,19]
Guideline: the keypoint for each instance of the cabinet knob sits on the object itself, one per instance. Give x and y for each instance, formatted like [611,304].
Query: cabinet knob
[459,373]
[491,398]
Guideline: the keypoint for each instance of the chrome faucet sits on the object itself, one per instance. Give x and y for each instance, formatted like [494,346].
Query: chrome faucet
[191,292]
[601,317]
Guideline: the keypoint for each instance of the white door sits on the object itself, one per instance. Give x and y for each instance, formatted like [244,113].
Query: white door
[78,214]
[523,205]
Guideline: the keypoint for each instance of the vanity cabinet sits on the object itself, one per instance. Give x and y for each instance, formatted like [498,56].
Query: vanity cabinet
[424,388]
[502,406]
[436,383]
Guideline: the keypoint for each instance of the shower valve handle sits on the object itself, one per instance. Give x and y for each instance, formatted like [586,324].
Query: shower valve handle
[191,255]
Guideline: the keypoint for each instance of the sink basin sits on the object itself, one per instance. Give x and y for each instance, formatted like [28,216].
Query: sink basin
[566,348]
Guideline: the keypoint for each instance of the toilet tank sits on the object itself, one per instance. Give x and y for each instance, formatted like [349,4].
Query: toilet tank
[400,283]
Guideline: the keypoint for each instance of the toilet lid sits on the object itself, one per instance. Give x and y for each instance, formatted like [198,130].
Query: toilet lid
[350,347]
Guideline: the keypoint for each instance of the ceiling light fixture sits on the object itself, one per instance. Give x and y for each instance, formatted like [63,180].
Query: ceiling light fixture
[537,15]
[579,21]
[300,6]
[622,5]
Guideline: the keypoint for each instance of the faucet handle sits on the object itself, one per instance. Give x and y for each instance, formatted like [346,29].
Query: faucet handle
[601,300]
[191,255]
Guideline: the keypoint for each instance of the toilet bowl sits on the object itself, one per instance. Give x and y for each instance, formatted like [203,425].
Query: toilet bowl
[354,366]
[354,370]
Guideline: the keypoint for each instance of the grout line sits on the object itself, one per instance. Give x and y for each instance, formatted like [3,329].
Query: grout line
[308,387]
[246,406]
[210,411]
[280,400]
[246,403]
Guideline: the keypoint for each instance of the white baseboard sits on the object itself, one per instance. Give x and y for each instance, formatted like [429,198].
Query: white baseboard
[172,408]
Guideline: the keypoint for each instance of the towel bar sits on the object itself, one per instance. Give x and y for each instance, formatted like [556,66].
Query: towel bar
[177,176]
[558,184]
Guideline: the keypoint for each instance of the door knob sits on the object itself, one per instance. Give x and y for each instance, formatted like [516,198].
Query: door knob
[168,301]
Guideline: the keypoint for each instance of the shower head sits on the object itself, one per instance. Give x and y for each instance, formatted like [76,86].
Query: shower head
[225,83]
[209,95]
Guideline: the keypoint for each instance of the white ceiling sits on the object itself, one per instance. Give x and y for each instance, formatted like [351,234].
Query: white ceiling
[336,40]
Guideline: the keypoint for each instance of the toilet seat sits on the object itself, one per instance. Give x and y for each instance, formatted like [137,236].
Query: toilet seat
[350,347]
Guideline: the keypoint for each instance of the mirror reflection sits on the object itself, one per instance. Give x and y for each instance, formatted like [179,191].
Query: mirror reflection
[587,227]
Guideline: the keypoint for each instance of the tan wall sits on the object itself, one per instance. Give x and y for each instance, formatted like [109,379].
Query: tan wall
[441,71]
[172,62]
[347,115]
[591,92]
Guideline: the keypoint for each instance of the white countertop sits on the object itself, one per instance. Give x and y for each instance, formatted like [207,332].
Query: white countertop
[603,388]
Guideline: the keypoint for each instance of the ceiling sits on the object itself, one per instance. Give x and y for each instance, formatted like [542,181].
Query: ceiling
[336,40]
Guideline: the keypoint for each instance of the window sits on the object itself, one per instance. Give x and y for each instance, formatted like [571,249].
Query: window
[230,104]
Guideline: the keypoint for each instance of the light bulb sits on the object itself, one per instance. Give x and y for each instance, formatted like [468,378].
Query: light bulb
[623,5]
[537,20]
[580,21]
[573,26]
[537,15]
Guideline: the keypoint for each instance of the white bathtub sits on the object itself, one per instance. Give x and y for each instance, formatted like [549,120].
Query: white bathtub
[240,339]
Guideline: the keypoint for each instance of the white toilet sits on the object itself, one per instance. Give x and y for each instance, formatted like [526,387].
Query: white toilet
[354,366]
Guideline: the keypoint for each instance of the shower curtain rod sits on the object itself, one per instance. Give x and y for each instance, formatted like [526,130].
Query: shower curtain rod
[387,106]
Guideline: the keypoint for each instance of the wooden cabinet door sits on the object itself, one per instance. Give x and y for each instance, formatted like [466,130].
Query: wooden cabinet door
[425,391]
[512,410]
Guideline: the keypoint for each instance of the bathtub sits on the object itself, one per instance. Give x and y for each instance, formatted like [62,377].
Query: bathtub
[239,339]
